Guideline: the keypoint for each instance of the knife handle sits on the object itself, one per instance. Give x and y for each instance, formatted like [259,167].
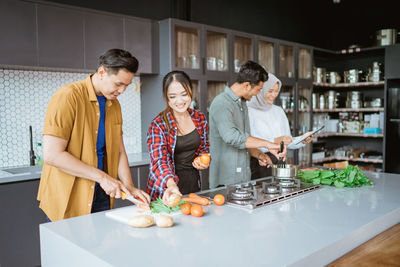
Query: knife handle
[123,195]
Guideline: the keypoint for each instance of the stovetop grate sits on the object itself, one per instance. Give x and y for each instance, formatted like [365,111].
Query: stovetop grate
[259,197]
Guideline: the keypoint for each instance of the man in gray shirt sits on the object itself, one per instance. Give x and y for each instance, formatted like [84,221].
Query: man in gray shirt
[230,142]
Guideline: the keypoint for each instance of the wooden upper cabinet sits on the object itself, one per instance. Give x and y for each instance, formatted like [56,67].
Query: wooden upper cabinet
[266,55]
[304,59]
[286,61]
[60,37]
[217,51]
[243,51]
[187,47]
[18,33]
[102,32]
[139,41]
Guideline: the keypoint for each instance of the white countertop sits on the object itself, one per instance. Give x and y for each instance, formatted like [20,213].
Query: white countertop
[27,172]
[309,230]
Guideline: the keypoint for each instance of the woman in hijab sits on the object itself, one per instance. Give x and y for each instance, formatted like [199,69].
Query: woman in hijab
[269,122]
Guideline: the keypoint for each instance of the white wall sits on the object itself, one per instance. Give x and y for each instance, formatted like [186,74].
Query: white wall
[24,95]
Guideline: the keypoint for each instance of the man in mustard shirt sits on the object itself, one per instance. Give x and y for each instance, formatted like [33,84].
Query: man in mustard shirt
[83,149]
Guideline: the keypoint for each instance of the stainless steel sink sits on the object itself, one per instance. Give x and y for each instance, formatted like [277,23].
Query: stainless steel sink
[24,170]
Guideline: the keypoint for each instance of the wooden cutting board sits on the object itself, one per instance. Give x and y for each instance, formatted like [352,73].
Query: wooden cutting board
[125,213]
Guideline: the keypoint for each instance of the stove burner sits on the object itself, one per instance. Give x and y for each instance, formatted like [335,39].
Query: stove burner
[286,182]
[241,194]
[272,189]
[289,182]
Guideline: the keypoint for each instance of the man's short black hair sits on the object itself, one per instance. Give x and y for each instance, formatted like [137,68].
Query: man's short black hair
[115,59]
[252,72]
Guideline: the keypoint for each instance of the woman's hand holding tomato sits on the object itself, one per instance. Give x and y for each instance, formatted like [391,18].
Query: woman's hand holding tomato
[202,162]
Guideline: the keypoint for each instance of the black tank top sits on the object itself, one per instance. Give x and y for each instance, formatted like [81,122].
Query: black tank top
[185,149]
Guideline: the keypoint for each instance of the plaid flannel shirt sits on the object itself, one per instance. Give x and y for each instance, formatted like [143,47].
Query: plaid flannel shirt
[161,146]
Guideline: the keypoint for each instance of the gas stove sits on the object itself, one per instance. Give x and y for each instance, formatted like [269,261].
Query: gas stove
[261,192]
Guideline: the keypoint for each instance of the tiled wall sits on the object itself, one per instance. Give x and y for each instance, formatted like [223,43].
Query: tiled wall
[24,96]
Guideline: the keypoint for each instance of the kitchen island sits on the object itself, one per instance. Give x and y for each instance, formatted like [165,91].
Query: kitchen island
[309,230]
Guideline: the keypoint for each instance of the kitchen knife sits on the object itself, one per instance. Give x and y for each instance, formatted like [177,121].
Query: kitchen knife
[132,199]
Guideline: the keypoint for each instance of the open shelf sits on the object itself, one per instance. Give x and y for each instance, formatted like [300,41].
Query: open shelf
[349,50]
[349,110]
[341,85]
[288,110]
[377,161]
[350,135]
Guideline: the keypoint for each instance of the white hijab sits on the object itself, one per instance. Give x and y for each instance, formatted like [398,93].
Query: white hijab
[268,121]
[258,101]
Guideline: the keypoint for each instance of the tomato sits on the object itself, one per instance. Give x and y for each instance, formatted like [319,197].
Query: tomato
[185,208]
[205,159]
[196,210]
[219,199]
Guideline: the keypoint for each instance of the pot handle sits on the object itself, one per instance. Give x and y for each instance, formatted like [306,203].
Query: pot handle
[280,160]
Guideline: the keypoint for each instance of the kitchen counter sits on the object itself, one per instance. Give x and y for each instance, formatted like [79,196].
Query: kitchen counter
[26,173]
[310,230]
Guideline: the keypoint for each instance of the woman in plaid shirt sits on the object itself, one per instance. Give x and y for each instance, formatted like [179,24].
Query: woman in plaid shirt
[175,137]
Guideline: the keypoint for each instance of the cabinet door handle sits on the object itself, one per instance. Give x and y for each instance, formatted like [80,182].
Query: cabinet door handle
[203,59]
[394,120]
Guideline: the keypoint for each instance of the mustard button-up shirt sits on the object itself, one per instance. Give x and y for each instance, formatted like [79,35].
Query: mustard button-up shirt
[73,114]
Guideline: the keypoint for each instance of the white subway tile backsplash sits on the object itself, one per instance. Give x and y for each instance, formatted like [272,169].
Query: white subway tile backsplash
[24,95]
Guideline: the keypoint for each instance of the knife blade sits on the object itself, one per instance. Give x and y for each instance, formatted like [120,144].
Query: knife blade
[132,199]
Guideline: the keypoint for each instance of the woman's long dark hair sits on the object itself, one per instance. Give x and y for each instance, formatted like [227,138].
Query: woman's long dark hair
[174,76]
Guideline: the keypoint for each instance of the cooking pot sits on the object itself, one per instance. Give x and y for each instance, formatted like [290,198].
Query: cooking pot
[354,100]
[331,99]
[386,37]
[284,171]
[351,76]
[285,100]
[315,101]
[321,101]
[333,77]
[374,73]
[320,75]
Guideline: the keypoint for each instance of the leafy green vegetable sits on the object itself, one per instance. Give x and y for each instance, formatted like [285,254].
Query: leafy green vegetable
[326,181]
[339,184]
[351,176]
[158,206]
[327,174]
[316,181]
[308,176]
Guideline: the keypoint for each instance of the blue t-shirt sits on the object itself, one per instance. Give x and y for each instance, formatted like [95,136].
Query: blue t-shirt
[101,133]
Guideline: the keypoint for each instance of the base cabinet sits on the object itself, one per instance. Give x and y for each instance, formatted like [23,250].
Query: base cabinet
[19,224]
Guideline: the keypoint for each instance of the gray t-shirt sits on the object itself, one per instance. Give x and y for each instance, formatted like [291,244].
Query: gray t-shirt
[229,130]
